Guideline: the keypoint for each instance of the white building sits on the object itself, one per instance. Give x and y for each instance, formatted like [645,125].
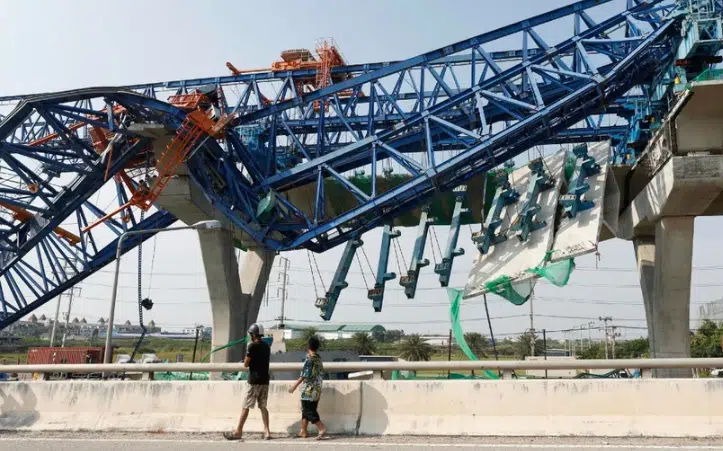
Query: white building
[294,331]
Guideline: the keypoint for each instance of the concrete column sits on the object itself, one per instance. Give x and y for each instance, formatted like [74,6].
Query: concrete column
[645,257]
[235,301]
[668,311]
[254,278]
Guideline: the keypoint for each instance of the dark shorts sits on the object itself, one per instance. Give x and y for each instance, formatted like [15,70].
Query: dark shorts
[309,412]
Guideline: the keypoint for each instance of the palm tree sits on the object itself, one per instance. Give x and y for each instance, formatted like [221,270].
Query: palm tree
[309,332]
[414,348]
[523,345]
[477,343]
[363,343]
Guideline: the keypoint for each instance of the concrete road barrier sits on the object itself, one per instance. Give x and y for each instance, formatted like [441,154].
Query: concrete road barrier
[622,408]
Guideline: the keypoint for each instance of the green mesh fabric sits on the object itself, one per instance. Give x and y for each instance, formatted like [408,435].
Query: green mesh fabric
[516,293]
[570,164]
[227,345]
[455,297]
[557,273]
[176,376]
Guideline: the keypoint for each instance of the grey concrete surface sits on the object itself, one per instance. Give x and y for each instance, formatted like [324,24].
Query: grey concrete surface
[212,442]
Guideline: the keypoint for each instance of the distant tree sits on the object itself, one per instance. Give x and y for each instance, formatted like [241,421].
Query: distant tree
[633,349]
[477,343]
[523,345]
[414,348]
[706,341]
[594,351]
[309,332]
[363,344]
[390,336]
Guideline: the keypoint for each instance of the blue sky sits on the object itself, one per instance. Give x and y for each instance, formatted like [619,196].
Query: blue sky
[49,46]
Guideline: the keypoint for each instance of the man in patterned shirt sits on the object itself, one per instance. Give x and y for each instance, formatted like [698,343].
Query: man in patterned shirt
[311,381]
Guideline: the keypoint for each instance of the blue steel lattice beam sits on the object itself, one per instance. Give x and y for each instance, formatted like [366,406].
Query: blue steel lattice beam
[376,294]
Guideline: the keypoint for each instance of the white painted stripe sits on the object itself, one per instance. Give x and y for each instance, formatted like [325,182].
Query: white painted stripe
[311,443]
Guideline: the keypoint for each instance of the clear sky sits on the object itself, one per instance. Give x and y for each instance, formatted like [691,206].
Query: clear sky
[58,45]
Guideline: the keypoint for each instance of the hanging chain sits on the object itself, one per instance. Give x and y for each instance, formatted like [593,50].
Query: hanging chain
[369,264]
[361,269]
[434,255]
[153,262]
[140,277]
[313,277]
[321,279]
[404,260]
[396,257]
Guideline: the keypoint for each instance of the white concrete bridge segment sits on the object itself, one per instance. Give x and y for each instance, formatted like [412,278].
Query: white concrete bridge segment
[513,257]
[524,408]
[580,235]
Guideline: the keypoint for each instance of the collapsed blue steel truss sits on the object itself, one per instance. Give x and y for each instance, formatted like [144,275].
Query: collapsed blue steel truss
[442,118]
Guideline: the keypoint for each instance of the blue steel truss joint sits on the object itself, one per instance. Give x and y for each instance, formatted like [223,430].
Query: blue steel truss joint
[504,196]
[586,166]
[327,303]
[376,294]
[540,181]
[444,268]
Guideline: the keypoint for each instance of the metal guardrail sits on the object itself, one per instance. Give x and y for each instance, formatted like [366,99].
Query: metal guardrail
[506,367]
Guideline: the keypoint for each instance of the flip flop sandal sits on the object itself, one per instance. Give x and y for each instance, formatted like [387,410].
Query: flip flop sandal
[231,436]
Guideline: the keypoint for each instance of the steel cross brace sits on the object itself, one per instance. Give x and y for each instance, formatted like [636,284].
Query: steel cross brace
[338,283]
[376,294]
[444,268]
[585,166]
[504,196]
[409,281]
[540,181]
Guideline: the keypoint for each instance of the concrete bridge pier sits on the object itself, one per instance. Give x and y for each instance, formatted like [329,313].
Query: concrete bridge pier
[235,296]
[665,269]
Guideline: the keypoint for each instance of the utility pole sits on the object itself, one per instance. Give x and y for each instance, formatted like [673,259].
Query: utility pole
[71,294]
[66,267]
[544,347]
[284,280]
[614,335]
[489,324]
[449,351]
[195,347]
[605,321]
[589,334]
[532,328]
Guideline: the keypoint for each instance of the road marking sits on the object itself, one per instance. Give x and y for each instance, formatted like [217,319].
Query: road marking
[364,443]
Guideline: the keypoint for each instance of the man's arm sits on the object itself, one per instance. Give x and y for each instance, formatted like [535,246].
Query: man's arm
[247,361]
[305,373]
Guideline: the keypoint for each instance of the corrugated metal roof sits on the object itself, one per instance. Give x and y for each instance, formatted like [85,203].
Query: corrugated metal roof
[326,328]
[362,328]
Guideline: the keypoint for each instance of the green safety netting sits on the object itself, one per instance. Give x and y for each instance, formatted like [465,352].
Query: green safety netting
[455,296]
[517,293]
[204,376]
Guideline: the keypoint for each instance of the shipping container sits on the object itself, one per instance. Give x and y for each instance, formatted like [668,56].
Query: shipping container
[79,355]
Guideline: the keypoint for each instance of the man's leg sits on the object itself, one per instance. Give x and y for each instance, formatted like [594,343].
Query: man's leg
[240,429]
[304,428]
[249,402]
[262,400]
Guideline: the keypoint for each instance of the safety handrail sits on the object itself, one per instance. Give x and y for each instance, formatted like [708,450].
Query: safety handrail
[336,367]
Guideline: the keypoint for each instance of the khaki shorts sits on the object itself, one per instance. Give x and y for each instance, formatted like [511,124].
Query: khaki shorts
[256,394]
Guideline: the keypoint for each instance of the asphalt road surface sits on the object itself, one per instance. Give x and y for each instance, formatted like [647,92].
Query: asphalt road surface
[195,442]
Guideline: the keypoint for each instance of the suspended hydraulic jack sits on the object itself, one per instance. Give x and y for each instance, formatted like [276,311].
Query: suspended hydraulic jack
[585,166]
[444,268]
[376,294]
[328,302]
[540,181]
[409,282]
[504,196]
